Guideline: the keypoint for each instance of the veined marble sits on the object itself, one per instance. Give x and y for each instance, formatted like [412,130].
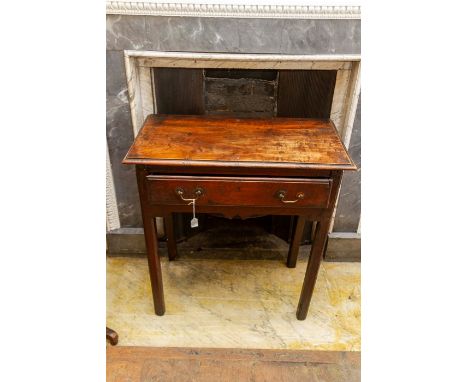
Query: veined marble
[234,304]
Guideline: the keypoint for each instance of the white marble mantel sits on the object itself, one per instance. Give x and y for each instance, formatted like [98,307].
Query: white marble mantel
[291,11]
[138,66]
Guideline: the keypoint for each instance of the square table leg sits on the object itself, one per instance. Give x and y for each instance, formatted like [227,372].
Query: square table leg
[299,222]
[154,263]
[313,265]
[171,241]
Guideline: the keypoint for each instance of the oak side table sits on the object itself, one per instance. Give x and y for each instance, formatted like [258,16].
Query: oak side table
[238,167]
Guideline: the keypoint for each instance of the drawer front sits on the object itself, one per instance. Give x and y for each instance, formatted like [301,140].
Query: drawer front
[234,191]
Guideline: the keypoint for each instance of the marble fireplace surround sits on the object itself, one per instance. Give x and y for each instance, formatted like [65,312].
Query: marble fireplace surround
[141,94]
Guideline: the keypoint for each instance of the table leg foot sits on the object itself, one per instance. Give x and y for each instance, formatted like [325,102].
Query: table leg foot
[160,311]
[112,336]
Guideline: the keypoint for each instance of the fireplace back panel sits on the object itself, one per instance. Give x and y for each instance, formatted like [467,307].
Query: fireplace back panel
[241,93]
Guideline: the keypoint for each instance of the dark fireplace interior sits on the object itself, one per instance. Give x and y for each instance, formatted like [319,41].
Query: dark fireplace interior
[242,93]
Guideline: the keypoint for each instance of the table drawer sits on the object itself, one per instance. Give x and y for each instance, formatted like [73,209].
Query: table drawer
[235,191]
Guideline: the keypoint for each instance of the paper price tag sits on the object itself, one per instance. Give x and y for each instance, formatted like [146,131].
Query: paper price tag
[194,221]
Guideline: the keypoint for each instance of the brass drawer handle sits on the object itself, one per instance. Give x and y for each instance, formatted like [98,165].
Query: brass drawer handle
[198,192]
[281,194]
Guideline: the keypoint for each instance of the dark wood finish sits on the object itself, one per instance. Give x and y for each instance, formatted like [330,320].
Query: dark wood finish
[194,141]
[305,93]
[179,91]
[171,240]
[230,191]
[248,146]
[217,170]
[151,240]
[316,255]
[296,241]
[186,90]
[313,265]
[145,364]
[243,212]
[112,336]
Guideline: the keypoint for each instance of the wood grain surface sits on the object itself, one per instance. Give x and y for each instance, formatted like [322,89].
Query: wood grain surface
[305,93]
[237,191]
[220,141]
[186,90]
[144,364]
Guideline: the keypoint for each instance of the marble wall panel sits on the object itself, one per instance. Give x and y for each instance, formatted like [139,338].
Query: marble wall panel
[119,137]
[260,35]
[126,32]
[235,35]
[348,211]
[321,37]
[196,34]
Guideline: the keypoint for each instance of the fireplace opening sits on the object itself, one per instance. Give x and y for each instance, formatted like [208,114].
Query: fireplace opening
[242,93]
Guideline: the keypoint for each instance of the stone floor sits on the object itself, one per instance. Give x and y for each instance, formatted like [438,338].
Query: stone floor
[225,303]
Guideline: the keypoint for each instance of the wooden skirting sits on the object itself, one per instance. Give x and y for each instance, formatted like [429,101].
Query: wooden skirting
[204,364]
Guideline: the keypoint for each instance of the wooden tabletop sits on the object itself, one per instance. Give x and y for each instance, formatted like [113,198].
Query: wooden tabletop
[175,140]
